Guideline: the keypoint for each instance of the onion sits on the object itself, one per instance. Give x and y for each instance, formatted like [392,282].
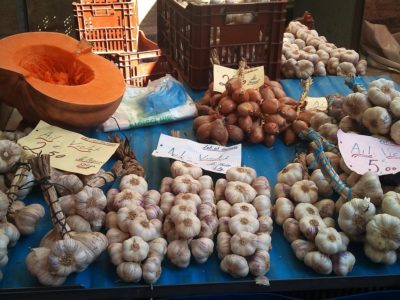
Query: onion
[203,133]
[232,85]
[205,100]
[226,106]
[273,83]
[256,135]
[266,79]
[278,119]
[269,140]
[240,96]
[204,110]
[305,116]
[245,109]
[255,95]
[289,136]
[245,123]
[266,92]
[235,133]
[278,92]
[215,99]
[231,119]
[201,120]
[218,134]
[271,128]
[270,106]
[299,125]
[288,112]
[288,101]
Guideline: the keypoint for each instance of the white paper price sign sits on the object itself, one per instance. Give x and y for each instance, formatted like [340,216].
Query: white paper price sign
[252,77]
[212,158]
[363,153]
[319,103]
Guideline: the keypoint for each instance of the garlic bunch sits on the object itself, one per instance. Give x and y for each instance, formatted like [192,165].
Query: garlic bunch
[245,223]
[10,154]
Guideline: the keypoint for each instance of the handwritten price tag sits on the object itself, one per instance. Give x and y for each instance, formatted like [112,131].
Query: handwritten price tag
[363,153]
[319,103]
[69,151]
[212,158]
[253,77]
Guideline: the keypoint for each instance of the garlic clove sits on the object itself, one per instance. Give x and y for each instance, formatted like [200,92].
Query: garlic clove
[129,271]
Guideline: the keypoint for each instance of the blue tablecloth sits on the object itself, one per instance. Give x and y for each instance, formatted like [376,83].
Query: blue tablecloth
[266,161]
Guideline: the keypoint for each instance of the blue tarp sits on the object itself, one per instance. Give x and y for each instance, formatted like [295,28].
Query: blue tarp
[266,161]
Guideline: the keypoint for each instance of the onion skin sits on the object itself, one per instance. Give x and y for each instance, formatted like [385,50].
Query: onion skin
[270,106]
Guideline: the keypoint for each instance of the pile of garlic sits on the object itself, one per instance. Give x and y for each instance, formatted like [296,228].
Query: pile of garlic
[307,221]
[245,224]
[187,200]
[134,230]
[306,53]
[377,111]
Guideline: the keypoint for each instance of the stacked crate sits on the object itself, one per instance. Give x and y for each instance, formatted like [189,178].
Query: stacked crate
[112,27]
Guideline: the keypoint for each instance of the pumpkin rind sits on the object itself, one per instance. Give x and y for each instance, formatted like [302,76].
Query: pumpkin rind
[28,59]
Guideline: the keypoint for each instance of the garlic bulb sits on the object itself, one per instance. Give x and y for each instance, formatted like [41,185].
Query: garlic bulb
[377,120]
[114,235]
[244,208]
[383,232]
[304,191]
[320,118]
[127,198]
[206,182]
[395,107]
[223,244]
[391,204]
[110,198]
[79,224]
[134,249]
[350,56]
[305,209]
[259,263]
[261,185]
[68,184]
[266,224]
[355,214]
[166,185]
[185,184]
[305,68]
[332,65]
[319,262]
[202,249]
[235,265]
[243,174]
[310,226]
[183,207]
[154,212]
[328,241]
[186,197]
[355,104]
[292,173]
[126,216]
[369,186]
[151,197]
[133,182]
[147,230]
[37,265]
[178,253]
[329,222]
[152,270]
[115,253]
[10,231]
[283,209]
[220,187]
[326,207]
[291,230]
[343,263]
[237,192]
[282,190]
[166,202]
[3,205]
[89,204]
[244,243]
[395,132]
[329,132]
[27,218]
[179,168]
[206,209]
[262,204]
[187,225]
[223,208]
[10,153]
[243,223]
[302,247]
[378,256]
[158,248]
[319,68]
[129,271]
[381,92]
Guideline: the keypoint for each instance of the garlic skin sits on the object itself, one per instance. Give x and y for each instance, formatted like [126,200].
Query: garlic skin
[147,230]
[354,105]
[11,232]
[292,173]
[79,224]
[207,196]
[244,243]
[187,225]
[134,249]
[346,69]
[355,215]
[343,263]
[166,202]
[237,192]
[10,154]
[178,253]
[151,197]
[115,253]
[259,263]
[158,248]
[383,232]
[185,184]
[243,223]
[329,222]
[328,241]
[114,235]
[89,204]
[134,183]
[291,230]
[319,262]
[369,186]
[129,271]
[378,256]
[266,224]
[127,198]
[27,218]
[302,247]
[326,207]
[187,207]
[235,265]
[202,249]
[377,120]
[186,197]
[283,209]
[395,107]
[68,184]
[206,182]
[305,209]
[223,224]
[243,174]
[391,204]
[243,208]
[220,187]
[304,191]
[126,215]
[179,168]
[282,190]
[166,185]
[223,208]
[152,270]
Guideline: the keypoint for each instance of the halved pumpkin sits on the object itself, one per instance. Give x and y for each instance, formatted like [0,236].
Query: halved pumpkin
[52,77]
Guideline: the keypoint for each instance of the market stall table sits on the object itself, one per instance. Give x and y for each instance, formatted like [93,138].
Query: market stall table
[100,280]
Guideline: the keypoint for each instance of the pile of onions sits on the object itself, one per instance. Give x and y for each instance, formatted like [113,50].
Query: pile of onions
[253,115]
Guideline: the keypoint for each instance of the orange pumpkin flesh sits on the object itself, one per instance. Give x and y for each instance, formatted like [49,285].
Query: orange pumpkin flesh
[52,77]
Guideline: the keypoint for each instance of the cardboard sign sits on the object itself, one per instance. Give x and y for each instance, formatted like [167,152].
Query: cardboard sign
[212,158]
[252,78]
[317,103]
[363,153]
[69,151]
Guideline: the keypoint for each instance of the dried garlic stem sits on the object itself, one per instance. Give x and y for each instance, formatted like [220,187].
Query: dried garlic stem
[41,171]
[128,157]
[301,159]
[19,176]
